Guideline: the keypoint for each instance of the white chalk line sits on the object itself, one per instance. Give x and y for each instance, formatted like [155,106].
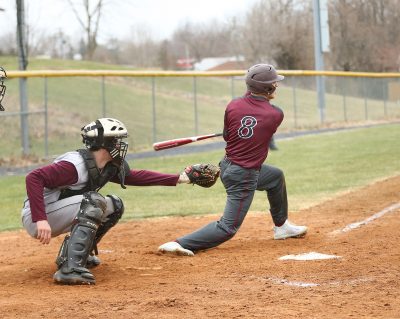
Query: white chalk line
[105,251]
[368,220]
[300,284]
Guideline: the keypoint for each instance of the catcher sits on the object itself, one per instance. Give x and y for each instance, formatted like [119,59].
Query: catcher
[3,75]
[249,125]
[64,197]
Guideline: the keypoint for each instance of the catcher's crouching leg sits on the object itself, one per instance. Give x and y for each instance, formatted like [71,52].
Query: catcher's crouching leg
[75,249]
[110,221]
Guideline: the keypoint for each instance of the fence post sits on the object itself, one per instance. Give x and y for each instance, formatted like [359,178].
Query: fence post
[344,99]
[103,95]
[23,82]
[46,121]
[365,98]
[153,103]
[23,96]
[384,87]
[294,101]
[196,118]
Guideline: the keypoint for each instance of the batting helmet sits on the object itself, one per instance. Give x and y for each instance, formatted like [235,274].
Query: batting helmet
[106,133]
[3,75]
[260,78]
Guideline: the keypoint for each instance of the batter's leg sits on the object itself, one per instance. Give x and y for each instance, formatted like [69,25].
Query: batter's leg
[272,180]
[240,185]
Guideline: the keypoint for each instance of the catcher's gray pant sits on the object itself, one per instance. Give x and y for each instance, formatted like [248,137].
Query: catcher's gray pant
[60,215]
[240,185]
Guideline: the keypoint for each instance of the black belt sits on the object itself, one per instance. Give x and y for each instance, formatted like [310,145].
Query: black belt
[227,159]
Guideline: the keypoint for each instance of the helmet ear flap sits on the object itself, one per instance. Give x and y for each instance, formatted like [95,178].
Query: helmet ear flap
[93,135]
[270,89]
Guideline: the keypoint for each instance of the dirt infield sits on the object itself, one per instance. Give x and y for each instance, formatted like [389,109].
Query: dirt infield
[242,278]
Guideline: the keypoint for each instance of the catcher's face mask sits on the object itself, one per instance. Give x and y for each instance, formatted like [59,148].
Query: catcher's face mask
[116,147]
[3,75]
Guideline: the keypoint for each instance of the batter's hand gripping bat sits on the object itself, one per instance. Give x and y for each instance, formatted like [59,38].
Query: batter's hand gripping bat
[182,141]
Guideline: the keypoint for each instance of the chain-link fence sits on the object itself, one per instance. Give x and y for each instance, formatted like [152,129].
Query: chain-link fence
[164,105]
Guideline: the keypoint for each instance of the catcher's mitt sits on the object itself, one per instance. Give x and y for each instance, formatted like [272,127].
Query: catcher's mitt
[204,175]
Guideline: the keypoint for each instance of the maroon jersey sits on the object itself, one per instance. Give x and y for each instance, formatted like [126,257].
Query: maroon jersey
[42,182]
[249,123]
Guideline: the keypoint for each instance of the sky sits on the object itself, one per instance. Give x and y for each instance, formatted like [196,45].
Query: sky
[159,18]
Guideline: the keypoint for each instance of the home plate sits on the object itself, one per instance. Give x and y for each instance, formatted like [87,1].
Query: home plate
[309,256]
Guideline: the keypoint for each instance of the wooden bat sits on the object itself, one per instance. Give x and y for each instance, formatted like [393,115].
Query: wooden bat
[182,141]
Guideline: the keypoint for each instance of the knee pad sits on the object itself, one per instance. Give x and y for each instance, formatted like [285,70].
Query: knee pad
[112,219]
[119,207]
[92,209]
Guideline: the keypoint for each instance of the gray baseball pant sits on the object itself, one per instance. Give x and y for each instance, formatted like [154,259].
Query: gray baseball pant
[240,185]
[60,215]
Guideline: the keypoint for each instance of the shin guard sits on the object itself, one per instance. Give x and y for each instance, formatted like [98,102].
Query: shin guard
[75,250]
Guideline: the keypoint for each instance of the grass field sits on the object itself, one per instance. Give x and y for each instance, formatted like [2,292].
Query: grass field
[317,167]
[79,100]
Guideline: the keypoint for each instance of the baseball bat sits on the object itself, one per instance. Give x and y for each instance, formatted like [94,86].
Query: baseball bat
[182,141]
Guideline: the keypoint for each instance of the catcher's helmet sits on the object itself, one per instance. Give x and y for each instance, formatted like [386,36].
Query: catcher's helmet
[260,78]
[106,133]
[3,75]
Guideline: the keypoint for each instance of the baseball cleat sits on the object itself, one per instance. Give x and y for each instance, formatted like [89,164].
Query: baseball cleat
[289,230]
[175,248]
[76,276]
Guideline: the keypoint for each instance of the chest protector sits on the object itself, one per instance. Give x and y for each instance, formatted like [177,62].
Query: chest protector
[97,179]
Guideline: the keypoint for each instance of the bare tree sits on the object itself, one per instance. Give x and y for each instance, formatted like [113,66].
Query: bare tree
[89,22]
[279,32]
[365,34]
[166,57]
[213,39]
[141,50]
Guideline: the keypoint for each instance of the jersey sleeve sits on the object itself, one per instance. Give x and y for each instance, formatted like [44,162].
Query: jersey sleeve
[148,178]
[280,114]
[51,176]
[225,130]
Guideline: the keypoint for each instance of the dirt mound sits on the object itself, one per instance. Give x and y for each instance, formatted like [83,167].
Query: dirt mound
[242,278]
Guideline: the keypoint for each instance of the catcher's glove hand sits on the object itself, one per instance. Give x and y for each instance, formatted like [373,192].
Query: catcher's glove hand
[204,175]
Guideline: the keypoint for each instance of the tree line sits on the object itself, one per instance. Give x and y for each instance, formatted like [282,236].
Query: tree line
[364,36]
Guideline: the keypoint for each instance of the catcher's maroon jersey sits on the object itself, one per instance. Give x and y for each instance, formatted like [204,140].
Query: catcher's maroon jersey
[249,123]
[44,184]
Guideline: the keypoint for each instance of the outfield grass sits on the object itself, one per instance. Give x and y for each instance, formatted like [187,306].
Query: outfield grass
[317,167]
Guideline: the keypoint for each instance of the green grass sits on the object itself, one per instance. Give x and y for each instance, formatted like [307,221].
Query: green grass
[317,167]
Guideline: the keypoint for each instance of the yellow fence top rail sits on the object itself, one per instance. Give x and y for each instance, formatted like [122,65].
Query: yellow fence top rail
[96,73]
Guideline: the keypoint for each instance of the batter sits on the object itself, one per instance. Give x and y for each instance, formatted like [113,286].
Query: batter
[249,124]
